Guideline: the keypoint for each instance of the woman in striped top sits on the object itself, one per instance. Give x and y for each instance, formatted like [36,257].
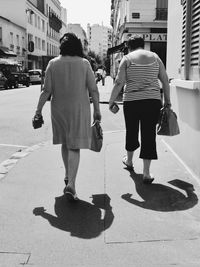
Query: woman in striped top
[139,72]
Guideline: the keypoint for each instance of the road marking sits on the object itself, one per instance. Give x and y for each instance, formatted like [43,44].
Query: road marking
[9,145]
[194,176]
[117,131]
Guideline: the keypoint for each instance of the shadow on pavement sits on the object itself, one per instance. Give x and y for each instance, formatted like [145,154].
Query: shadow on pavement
[82,219]
[161,197]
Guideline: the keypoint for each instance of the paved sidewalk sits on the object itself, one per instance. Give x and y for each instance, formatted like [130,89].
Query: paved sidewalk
[118,220]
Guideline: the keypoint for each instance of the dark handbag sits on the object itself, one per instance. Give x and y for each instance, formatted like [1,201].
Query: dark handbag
[96,137]
[37,121]
[167,123]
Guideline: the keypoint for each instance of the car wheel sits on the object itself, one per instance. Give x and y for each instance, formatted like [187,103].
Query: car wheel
[5,86]
[27,84]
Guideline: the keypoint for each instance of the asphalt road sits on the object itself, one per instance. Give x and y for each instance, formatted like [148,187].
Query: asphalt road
[17,107]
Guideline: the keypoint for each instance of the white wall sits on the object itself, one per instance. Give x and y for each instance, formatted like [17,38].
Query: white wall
[185,96]
[174,38]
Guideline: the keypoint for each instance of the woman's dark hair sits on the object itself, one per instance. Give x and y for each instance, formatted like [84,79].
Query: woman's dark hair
[70,45]
[135,42]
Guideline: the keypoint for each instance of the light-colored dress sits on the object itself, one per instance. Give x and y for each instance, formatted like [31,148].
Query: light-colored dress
[69,80]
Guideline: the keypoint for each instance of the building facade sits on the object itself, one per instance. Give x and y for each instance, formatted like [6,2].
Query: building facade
[147,18]
[183,66]
[12,40]
[99,39]
[31,29]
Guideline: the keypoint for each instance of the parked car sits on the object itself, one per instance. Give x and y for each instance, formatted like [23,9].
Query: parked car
[3,81]
[35,76]
[14,73]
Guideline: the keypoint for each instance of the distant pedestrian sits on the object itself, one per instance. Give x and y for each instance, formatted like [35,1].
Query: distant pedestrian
[69,79]
[139,71]
[103,75]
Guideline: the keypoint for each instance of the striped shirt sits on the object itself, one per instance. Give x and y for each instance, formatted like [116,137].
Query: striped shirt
[141,80]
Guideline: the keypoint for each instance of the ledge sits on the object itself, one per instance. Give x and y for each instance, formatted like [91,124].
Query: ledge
[190,85]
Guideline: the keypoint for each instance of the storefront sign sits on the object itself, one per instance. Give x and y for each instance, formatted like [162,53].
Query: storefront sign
[148,37]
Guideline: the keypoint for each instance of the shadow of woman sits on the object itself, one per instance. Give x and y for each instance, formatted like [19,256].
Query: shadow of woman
[82,219]
[161,197]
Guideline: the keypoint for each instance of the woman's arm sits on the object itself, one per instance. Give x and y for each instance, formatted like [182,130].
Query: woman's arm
[93,90]
[119,81]
[47,89]
[165,82]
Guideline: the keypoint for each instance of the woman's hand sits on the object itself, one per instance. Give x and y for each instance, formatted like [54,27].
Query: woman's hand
[97,116]
[110,104]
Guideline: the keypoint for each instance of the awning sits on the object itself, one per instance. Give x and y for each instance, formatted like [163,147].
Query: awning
[6,52]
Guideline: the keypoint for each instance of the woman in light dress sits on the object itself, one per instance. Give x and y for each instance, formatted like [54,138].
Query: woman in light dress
[69,80]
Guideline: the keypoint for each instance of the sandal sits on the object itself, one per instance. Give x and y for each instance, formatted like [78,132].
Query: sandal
[129,167]
[70,194]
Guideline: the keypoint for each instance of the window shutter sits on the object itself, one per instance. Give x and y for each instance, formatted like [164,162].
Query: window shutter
[194,39]
[183,34]
[195,33]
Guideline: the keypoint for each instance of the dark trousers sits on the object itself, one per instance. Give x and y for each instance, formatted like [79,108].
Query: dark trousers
[142,115]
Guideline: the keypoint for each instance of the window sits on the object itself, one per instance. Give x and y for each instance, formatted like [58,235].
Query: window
[11,38]
[161,9]
[43,45]
[39,43]
[190,61]
[30,18]
[36,43]
[30,37]
[39,21]
[135,15]
[35,20]
[17,38]
[43,25]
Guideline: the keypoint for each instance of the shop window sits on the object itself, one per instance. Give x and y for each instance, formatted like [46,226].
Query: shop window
[190,61]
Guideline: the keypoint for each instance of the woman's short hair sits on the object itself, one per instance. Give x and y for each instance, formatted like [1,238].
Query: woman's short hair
[135,42]
[70,45]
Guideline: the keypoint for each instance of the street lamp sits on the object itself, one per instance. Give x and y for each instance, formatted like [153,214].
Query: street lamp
[30,10]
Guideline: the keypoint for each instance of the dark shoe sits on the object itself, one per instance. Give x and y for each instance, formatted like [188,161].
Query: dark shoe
[70,194]
[128,167]
[147,180]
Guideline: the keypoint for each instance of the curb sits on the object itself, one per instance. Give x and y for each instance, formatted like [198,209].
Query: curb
[9,163]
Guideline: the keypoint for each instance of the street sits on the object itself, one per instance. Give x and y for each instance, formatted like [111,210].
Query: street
[17,107]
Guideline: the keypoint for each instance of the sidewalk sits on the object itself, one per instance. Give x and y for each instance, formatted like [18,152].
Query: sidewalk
[118,220]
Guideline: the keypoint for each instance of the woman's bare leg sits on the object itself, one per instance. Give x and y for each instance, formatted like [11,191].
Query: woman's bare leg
[73,164]
[146,168]
[65,156]
[129,160]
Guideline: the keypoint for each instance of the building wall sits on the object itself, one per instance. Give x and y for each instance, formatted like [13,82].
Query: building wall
[185,96]
[138,16]
[99,39]
[174,38]
[14,11]
[145,8]
[17,46]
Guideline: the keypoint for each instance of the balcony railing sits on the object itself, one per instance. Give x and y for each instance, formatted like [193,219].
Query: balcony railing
[161,14]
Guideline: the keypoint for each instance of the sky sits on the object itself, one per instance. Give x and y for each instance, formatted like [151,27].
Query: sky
[87,11]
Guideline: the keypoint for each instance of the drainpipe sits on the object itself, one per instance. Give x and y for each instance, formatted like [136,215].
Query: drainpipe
[188,27]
